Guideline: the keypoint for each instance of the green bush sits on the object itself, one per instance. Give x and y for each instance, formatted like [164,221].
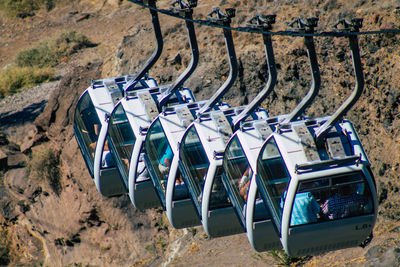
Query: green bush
[51,52]
[34,65]
[13,79]
[44,165]
[25,8]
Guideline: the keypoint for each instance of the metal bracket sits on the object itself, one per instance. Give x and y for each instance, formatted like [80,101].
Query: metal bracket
[223,125]
[307,26]
[263,22]
[349,26]
[181,6]
[149,105]
[218,16]
[184,115]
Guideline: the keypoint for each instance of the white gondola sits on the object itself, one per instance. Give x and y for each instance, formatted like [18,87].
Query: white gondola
[317,180]
[130,121]
[162,148]
[92,113]
[241,153]
[201,154]
[90,123]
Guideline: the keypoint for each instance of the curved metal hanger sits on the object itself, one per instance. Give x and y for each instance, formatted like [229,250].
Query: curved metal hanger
[349,26]
[308,27]
[219,17]
[263,23]
[157,52]
[186,10]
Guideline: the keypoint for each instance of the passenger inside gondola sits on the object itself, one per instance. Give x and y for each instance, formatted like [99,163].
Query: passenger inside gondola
[305,210]
[337,197]
[142,172]
[107,159]
[244,183]
[344,204]
[165,161]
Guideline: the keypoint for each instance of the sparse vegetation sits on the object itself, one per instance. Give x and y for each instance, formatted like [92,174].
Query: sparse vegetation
[284,259]
[51,52]
[44,164]
[34,66]
[13,79]
[4,248]
[25,8]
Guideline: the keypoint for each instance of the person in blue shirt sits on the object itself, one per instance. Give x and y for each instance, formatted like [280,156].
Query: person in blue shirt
[305,209]
[165,160]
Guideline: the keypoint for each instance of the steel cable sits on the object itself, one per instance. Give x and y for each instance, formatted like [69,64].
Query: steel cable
[259,31]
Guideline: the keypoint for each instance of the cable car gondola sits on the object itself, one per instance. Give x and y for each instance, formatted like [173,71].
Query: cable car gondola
[161,145]
[130,121]
[91,113]
[201,153]
[241,153]
[317,180]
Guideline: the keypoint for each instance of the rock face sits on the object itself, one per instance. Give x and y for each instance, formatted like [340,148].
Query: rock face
[58,116]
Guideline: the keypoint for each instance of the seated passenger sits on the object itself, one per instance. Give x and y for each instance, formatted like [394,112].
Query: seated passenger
[244,184]
[345,204]
[165,161]
[305,209]
[141,172]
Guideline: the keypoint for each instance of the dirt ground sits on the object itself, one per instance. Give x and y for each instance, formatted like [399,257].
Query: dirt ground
[79,227]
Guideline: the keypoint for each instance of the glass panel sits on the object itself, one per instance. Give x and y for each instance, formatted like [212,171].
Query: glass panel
[219,197]
[261,211]
[331,198]
[180,189]
[121,140]
[274,177]
[159,154]
[238,172]
[87,127]
[195,163]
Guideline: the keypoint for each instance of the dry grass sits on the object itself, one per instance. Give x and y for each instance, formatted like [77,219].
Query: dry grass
[34,65]
[51,52]
[44,165]
[13,79]
[27,8]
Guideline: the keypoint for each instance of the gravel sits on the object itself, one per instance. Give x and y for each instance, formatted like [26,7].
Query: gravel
[20,101]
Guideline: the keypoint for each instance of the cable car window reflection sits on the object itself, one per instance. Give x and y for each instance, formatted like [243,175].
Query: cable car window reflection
[238,171]
[180,189]
[194,158]
[122,139]
[331,198]
[219,197]
[159,153]
[87,127]
[272,172]
[261,211]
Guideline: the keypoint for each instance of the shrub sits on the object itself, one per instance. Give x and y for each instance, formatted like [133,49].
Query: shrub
[44,165]
[33,66]
[14,78]
[25,8]
[51,52]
